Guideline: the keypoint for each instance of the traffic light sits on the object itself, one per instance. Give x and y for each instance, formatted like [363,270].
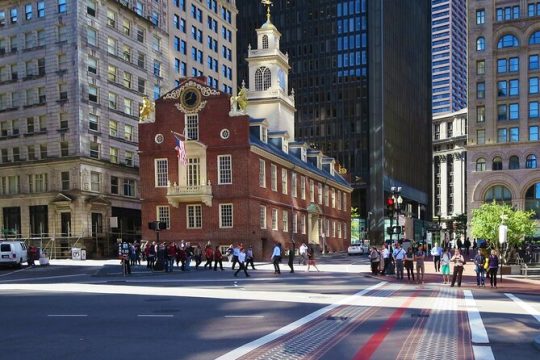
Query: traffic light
[390,203]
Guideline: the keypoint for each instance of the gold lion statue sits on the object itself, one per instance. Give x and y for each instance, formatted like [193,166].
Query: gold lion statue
[146,109]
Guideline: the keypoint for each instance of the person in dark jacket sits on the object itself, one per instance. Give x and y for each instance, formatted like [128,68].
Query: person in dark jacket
[493,263]
[292,249]
[218,259]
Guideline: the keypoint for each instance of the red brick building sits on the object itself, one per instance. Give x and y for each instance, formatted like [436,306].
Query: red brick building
[246,179]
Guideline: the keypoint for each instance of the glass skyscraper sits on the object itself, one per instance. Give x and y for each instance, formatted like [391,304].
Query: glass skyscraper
[361,75]
[449,53]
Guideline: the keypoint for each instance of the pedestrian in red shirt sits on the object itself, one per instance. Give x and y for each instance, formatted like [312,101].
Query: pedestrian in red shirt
[218,259]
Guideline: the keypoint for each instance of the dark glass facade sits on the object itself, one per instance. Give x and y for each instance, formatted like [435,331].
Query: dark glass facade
[361,72]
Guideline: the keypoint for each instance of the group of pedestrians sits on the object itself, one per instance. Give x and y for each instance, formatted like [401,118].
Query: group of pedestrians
[386,261]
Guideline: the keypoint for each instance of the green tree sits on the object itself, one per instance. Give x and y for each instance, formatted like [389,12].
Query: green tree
[485,225]
[355,224]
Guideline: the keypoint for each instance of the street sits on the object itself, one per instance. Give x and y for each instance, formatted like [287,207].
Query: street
[81,310]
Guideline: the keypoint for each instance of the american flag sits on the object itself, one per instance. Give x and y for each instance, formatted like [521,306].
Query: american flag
[180,151]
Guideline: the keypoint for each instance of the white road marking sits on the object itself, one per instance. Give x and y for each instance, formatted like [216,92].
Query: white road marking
[483,352]
[478,331]
[528,308]
[67,315]
[244,316]
[244,349]
[43,278]
[14,272]
[153,315]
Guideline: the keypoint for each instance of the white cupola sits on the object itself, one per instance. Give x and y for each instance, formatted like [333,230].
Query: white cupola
[268,94]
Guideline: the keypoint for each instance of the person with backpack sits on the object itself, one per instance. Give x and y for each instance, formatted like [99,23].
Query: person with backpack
[218,259]
[209,255]
[374,258]
[399,256]
[458,261]
[479,262]
[409,263]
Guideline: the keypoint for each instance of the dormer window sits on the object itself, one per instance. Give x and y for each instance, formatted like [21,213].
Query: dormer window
[303,154]
[263,78]
[265,41]
[332,170]
[285,146]
[264,134]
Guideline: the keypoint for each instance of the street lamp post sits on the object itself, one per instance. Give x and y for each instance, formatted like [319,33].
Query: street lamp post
[503,234]
[394,206]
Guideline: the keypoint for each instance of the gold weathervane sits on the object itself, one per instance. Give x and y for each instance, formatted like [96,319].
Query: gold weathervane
[267,3]
[147,107]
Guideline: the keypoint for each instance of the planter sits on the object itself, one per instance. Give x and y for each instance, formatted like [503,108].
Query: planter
[515,269]
[506,270]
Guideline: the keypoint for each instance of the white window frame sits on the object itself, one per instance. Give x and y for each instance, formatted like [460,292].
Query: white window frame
[262,216]
[194,220]
[273,177]
[333,198]
[311,191]
[344,201]
[192,126]
[223,172]
[274,219]
[161,178]
[163,214]
[326,192]
[222,219]
[339,199]
[294,188]
[320,193]
[333,229]
[303,224]
[262,173]
[284,181]
[339,231]
[303,187]
[285,219]
[294,222]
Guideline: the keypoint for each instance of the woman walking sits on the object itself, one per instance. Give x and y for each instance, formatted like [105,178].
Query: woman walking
[445,266]
[493,266]
[419,257]
[374,257]
[409,263]
[311,259]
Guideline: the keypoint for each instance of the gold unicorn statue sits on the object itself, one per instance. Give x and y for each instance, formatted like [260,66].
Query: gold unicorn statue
[240,101]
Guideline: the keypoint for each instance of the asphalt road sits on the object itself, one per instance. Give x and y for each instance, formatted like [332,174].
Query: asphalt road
[93,312]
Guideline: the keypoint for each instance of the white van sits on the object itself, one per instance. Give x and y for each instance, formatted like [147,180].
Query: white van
[13,253]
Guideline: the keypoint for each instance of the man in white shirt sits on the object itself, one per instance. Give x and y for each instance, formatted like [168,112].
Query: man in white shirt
[386,259]
[276,258]
[436,252]
[242,262]
[302,250]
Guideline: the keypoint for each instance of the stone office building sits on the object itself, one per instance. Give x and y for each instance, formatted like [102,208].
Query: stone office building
[72,76]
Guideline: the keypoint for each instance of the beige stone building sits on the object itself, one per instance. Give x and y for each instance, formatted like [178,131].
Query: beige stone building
[449,165]
[203,41]
[504,97]
[72,76]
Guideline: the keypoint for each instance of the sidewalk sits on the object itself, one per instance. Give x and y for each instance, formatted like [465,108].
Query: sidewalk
[510,283]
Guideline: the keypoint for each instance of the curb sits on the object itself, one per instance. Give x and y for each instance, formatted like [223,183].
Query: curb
[536,342]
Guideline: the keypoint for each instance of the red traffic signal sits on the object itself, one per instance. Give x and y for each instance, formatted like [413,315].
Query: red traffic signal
[390,202]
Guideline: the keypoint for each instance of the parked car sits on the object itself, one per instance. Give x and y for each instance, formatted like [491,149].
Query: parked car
[13,253]
[358,248]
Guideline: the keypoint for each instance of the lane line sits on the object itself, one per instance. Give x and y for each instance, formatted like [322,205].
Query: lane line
[245,349]
[478,331]
[42,278]
[67,315]
[153,315]
[244,316]
[366,351]
[483,352]
[528,308]
[14,272]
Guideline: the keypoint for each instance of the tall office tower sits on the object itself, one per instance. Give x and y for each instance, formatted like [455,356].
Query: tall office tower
[449,54]
[449,167]
[72,76]
[504,98]
[202,37]
[363,72]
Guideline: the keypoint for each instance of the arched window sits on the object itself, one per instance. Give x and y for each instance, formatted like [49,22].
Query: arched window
[498,193]
[513,163]
[263,78]
[507,41]
[497,163]
[480,44]
[481,164]
[532,199]
[531,162]
[265,41]
[535,38]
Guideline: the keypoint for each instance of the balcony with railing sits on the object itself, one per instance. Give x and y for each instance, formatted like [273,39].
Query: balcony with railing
[177,194]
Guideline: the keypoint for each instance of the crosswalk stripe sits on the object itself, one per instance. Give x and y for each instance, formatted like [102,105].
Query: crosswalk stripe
[478,331]
[532,311]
